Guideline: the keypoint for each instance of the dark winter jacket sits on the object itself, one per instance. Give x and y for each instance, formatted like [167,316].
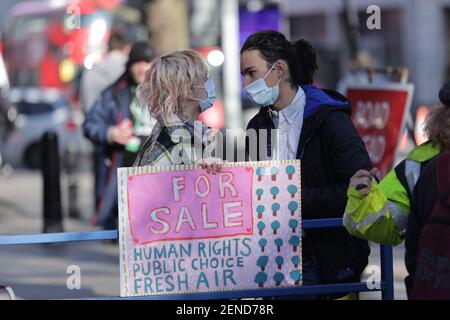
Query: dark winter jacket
[331,151]
[110,109]
[422,201]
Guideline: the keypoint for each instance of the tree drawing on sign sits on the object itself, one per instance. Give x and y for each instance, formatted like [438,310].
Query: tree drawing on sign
[262,262]
[259,193]
[278,277]
[279,243]
[296,261]
[290,170]
[275,226]
[261,227]
[294,241]
[260,210]
[292,190]
[260,172]
[295,275]
[274,172]
[279,261]
[262,243]
[293,206]
[274,191]
[293,224]
[260,278]
[275,207]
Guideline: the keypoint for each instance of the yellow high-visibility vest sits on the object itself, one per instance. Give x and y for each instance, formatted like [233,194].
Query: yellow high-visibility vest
[382,215]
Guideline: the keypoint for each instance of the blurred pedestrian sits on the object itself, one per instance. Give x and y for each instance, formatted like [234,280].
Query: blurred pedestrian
[315,126]
[117,126]
[97,79]
[105,72]
[6,125]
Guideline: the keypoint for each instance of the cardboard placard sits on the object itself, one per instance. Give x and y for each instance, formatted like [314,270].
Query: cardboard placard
[182,230]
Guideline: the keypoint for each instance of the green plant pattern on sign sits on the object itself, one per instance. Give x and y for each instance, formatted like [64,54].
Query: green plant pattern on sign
[275,208]
[274,172]
[274,191]
[295,261]
[260,171]
[260,278]
[279,260]
[262,243]
[259,193]
[294,241]
[262,262]
[292,190]
[261,225]
[260,210]
[275,226]
[263,193]
[279,243]
[293,206]
[278,277]
[290,170]
[295,275]
[293,224]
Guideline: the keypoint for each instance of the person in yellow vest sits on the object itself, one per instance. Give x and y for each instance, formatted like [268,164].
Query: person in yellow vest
[379,212]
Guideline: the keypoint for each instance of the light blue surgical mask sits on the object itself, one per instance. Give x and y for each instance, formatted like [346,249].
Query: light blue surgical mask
[208,102]
[260,93]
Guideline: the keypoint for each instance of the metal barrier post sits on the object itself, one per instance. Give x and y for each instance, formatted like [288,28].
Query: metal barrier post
[52,210]
[387,272]
[71,166]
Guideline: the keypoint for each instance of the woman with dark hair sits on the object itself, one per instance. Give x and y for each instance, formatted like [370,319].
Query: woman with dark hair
[314,126]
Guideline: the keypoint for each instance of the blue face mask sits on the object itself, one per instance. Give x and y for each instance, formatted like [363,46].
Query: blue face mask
[208,102]
[260,93]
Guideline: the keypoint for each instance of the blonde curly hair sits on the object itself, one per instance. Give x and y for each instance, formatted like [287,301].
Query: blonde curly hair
[169,80]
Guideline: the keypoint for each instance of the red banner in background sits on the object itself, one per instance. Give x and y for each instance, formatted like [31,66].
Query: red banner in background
[379,114]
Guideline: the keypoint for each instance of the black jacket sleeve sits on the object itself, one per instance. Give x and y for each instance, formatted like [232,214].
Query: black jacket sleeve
[411,243]
[422,202]
[346,154]
[99,119]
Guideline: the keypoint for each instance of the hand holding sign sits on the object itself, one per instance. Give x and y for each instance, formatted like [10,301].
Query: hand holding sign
[212,165]
[362,180]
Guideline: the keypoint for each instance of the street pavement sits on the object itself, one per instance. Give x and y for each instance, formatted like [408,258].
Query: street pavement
[40,271]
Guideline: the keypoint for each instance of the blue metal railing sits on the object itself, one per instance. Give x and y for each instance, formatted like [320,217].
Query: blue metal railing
[386,260]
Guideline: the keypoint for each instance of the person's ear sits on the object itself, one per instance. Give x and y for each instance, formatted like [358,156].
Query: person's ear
[190,95]
[280,68]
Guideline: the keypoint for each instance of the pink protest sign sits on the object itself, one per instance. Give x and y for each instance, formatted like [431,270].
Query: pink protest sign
[190,205]
[183,230]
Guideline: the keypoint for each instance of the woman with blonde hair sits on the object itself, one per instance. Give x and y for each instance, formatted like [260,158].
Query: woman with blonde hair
[175,90]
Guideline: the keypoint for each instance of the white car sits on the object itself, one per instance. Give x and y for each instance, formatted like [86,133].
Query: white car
[38,111]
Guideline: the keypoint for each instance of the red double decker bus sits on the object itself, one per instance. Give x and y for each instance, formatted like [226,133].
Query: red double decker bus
[48,43]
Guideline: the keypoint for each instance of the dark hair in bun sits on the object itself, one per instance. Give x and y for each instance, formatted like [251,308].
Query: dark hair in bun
[299,55]
[444,94]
